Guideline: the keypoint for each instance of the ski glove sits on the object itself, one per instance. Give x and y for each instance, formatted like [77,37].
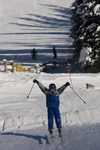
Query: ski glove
[35,81]
[67,84]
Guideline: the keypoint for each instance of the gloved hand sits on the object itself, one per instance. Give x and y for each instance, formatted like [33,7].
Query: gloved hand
[67,84]
[35,81]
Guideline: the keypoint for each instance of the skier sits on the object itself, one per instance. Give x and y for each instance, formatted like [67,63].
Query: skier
[33,53]
[52,103]
[55,53]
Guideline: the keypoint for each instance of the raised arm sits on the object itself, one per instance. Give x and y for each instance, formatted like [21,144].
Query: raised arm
[41,86]
[62,88]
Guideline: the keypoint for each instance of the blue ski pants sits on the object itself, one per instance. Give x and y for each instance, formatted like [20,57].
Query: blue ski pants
[54,113]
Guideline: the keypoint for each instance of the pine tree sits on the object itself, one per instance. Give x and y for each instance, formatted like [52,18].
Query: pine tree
[76,23]
[88,33]
[92,34]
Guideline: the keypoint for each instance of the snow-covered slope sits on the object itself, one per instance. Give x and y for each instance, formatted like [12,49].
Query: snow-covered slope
[24,120]
[29,113]
[29,24]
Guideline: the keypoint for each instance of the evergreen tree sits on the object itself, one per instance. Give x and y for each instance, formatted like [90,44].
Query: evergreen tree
[76,23]
[88,33]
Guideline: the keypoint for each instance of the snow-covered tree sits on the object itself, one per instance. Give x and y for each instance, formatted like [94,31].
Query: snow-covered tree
[76,23]
[89,34]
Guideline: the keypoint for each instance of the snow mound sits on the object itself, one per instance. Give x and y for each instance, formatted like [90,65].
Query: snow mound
[79,117]
[82,117]
[26,122]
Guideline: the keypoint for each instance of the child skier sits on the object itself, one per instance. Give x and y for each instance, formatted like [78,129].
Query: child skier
[52,103]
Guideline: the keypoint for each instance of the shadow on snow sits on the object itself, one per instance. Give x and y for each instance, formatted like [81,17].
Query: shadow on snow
[35,137]
[59,21]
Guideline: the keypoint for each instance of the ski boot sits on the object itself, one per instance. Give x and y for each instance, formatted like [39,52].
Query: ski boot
[59,130]
[51,133]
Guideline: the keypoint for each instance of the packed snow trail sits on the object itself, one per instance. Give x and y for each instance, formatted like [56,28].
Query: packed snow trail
[86,137]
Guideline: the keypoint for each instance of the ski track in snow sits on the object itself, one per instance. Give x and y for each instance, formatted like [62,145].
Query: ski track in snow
[76,137]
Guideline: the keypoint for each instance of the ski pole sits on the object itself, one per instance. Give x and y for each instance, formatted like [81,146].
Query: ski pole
[30,90]
[32,87]
[69,72]
[77,95]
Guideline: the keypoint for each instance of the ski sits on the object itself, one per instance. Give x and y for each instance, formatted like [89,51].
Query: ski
[60,134]
[51,135]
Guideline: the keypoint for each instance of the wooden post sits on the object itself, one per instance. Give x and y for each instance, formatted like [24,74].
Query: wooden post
[17,67]
[24,70]
[36,69]
[29,70]
[12,66]
[5,63]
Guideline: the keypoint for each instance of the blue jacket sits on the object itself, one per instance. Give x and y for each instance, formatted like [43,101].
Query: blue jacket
[52,98]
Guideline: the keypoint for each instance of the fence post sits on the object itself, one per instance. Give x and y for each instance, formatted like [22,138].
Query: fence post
[17,67]
[12,66]
[24,70]
[5,63]
[37,69]
[29,69]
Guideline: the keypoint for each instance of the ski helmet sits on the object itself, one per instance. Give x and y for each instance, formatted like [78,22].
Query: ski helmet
[52,86]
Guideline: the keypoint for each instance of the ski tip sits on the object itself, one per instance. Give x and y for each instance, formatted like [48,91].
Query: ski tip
[51,135]
[60,135]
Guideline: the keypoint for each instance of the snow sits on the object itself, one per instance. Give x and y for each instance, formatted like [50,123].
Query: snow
[4,60]
[84,55]
[34,24]
[98,29]
[79,11]
[23,121]
[90,4]
[97,9]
